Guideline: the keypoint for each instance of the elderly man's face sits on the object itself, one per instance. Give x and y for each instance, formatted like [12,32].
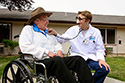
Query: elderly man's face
[42,22]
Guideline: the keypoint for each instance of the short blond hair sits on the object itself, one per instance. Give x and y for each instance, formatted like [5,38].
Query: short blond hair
[87,14]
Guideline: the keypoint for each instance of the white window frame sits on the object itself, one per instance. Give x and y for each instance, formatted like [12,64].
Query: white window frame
[6,23]
[106,28]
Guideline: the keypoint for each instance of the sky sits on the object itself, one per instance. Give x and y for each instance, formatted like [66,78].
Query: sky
[102,7]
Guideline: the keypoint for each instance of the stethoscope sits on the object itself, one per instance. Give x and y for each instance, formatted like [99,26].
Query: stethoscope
[91,38]
[72,37]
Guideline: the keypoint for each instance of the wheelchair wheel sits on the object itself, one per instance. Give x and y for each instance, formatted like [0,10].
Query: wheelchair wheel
[53,80]
[16,72]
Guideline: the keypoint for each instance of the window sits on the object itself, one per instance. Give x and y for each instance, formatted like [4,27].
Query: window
[1,49]
[5,29]
[103,34]
[108,35]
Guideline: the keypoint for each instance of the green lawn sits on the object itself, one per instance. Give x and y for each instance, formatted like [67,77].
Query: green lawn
[117,65]
[4,61]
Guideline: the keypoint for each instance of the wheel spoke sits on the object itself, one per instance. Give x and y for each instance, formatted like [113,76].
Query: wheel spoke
[21,74]
[24,79]
[16,72]
[12,72]
[11,81]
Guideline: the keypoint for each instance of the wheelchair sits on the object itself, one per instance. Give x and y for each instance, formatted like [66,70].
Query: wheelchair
[23,70]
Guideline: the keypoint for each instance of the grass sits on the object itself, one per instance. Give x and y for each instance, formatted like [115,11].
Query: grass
[4,60]
[117,65]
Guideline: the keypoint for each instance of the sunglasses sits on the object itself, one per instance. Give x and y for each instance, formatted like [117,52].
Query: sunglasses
[79,18]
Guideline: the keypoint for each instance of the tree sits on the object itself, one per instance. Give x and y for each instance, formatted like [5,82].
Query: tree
[20,5]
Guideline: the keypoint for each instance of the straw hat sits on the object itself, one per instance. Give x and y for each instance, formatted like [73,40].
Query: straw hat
[35,13]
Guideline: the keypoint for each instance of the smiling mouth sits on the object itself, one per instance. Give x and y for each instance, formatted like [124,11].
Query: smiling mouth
[78,23]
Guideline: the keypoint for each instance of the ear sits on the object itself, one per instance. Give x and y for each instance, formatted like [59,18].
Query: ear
[36,21]
[88,21]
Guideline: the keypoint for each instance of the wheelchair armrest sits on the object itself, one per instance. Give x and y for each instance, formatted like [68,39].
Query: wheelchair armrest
[20,53]
[23,55]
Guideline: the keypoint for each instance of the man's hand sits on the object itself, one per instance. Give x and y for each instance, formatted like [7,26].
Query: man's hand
[101,62]
[51,54]
[52,32]
[59,53]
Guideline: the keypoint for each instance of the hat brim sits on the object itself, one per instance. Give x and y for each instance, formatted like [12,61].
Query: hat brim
[30,21]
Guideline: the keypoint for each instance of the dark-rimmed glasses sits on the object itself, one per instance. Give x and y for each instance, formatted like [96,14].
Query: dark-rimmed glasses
[79,18]
[44,19]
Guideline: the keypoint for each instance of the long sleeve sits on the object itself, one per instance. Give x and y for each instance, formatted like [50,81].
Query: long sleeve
[26,43]
[99,47]
[68,35]
[61,38]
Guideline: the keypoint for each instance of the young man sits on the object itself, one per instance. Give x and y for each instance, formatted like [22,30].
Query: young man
[35,40]
[88,44]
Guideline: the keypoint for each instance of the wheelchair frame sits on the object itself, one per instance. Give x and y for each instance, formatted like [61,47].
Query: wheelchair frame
[22,70]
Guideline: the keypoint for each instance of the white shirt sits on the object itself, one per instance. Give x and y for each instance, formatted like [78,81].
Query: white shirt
[37,44]
[88,44]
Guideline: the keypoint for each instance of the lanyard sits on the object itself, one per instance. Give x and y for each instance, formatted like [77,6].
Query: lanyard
[35,28]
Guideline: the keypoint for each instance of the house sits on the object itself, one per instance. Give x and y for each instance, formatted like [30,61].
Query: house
[112,27]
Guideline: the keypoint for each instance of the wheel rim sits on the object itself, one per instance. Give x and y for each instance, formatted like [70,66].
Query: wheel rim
[16,72]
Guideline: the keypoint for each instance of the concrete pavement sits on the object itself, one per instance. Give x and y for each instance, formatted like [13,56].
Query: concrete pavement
[107,80]
[111,80]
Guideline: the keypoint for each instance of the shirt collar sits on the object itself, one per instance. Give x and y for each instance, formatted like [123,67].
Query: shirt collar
[35,28]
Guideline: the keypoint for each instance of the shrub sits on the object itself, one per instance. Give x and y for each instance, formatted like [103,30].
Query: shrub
[10,44]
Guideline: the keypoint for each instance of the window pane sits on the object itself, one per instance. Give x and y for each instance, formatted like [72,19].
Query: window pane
[103,34]
[4,31]
[1,50]
[111,36]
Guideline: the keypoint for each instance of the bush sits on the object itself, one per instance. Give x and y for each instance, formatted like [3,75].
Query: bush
[10,44]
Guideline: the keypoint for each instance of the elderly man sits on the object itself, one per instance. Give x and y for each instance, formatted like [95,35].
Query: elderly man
[35,40]
[86,41]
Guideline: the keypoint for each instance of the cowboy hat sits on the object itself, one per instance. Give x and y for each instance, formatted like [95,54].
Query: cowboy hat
[35,13]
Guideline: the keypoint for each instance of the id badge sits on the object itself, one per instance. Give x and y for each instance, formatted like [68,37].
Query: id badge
[92,38]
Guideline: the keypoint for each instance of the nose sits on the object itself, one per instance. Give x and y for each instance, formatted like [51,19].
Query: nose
[77,21]
[47,21]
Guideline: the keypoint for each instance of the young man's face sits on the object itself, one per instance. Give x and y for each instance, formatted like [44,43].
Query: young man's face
[82,21]
[42,22]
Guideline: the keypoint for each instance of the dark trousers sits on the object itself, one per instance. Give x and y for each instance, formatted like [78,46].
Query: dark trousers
[100,73]
[60,67]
